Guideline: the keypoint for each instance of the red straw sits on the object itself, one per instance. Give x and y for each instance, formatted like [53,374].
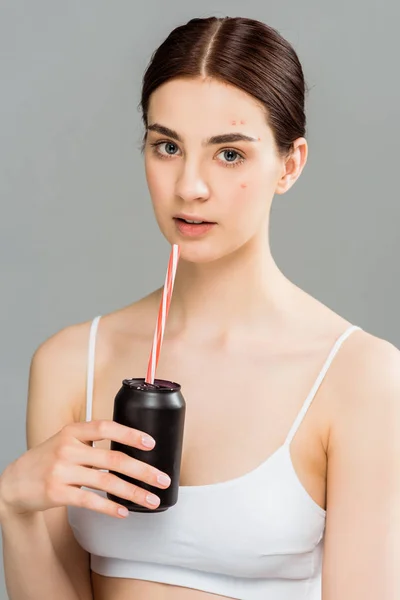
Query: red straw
[162,313]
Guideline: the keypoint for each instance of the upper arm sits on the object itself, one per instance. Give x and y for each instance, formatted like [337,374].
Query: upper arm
[362,535]
[56,392]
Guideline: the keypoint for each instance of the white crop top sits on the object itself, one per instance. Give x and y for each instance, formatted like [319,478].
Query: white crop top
[256,537]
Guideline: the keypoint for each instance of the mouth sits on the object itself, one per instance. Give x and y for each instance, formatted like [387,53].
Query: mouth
[193,227]
[188,222]
[193,220]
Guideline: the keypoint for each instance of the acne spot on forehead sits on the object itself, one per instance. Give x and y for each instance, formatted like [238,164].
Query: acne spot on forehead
[242,122]
[233,122]
[243,185]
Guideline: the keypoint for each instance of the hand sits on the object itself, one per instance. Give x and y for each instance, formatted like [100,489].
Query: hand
[50,474]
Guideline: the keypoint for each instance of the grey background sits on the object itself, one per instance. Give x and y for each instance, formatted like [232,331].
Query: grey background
[77,233]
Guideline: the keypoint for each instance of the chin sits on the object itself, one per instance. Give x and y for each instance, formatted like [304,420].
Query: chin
[201,251]
[198,255]
[197,252]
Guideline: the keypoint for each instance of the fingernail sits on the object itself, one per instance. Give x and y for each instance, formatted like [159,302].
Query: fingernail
[124,512]
[154,500]
[148,441]
[163,479]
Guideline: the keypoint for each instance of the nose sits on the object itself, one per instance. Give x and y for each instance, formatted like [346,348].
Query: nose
[190,184]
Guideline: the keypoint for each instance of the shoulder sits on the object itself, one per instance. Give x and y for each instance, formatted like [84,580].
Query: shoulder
[59,363]
[365,389]
[68,345]
[366,364]
[64,355]
[377,363]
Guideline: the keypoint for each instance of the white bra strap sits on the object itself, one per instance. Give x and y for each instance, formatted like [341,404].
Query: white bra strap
[90,367]
[318,382]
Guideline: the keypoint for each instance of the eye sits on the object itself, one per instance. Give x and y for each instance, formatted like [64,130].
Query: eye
[231,157]
[165,148]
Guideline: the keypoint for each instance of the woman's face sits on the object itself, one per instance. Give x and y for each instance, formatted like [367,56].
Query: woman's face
[229,182]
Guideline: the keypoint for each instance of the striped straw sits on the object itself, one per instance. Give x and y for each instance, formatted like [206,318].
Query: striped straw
[162,314]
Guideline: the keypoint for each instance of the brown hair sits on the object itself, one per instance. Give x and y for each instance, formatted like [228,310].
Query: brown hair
[242,52]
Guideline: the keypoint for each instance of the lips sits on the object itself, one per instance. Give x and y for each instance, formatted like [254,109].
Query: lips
[190,218]
[192,230]
[192,221]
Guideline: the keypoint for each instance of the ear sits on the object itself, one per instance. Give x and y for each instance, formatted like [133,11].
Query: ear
[292,166]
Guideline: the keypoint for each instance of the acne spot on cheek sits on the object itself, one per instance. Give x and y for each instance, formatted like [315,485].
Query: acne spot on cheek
[243,185]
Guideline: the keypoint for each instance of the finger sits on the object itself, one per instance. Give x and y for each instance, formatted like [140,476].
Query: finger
[113,460]
[94,431]
[92,501]
[107,482]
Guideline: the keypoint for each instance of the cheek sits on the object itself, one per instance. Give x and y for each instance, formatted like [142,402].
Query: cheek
[239,189]
[249,200]
[241,194]
[157,182]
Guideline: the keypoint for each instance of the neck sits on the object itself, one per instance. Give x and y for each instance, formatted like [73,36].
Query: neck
[243,293]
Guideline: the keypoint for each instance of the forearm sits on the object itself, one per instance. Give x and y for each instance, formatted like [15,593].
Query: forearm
[32,569]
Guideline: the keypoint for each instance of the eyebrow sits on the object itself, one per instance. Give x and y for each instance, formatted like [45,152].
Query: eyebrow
[215,139]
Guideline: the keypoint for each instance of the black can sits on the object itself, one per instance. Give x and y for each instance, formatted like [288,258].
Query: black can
[159,410]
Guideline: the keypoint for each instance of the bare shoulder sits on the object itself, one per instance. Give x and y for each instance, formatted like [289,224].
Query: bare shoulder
[66,342]
[62,359]
[366,375]
[365,396]
[378,364]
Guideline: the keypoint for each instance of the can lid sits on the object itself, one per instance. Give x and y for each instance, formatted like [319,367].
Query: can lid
[160,385]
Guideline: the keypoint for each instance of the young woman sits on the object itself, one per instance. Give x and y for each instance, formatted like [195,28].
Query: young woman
[289,478]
